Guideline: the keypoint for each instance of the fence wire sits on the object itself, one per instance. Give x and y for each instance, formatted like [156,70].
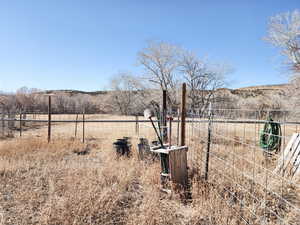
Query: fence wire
[242,173]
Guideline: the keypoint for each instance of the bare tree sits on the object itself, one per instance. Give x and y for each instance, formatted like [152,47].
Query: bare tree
[284,32]
[25,98]
[128,94]
[83,102]
[202,79]
[160,62]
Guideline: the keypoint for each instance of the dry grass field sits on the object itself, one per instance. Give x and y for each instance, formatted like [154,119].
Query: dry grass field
[52,183]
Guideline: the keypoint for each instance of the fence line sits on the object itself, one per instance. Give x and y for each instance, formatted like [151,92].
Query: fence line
[238,167]
[231,146]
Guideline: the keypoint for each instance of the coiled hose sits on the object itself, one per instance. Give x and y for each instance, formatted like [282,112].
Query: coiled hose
[270,136]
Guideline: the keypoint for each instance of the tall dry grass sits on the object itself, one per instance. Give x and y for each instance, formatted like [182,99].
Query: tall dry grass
[45,183]
[51,183]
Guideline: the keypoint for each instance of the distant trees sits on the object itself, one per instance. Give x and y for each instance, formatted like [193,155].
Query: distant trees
[128,94]
[202,79]
[284,32]
[160,61]
[166,66]
[25,98]
[31,100]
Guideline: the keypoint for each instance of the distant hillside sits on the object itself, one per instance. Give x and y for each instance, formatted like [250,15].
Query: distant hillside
[75,92]
[255,91]
[267,96]
[244,91]
[265,87]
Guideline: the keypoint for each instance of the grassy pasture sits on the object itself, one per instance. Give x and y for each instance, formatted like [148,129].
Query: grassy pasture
[45,183]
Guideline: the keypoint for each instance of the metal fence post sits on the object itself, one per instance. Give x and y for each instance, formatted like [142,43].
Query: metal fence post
[164,117]
[20,123]
[137,125]
[208,141]
[49,118]
[183,114]
[83,125]
[178,125]
[3,123]
[76,122]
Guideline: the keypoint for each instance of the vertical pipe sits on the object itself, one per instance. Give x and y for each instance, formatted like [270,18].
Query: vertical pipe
[183,114]
[170,131]
[178,125]
[20,123]
[49,118]
[137,125]
[208,144]
[164,117]
[83,125]
[24,117]
[76,123]
[3,123]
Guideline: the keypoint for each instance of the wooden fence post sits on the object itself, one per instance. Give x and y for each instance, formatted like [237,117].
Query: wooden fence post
[83,125]
[208,142]
[183,114]
[49,118]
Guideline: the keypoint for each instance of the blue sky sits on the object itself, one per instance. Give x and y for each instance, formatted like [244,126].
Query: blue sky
[77,44]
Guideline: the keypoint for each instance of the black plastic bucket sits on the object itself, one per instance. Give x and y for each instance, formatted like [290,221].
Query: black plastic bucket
[122,147]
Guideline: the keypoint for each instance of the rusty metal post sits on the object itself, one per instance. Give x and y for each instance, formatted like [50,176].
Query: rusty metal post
[170,131]
[178,126]
[137,125]
[183,114]
[83,125]
[76,123]
[208,142]
[3,123]
[49,118]
[20,123]
[164,117]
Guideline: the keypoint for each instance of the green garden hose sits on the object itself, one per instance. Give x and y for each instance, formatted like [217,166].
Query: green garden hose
[270,136]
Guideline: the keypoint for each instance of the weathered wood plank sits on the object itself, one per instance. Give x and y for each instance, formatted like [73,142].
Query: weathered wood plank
[288,160]
[291,164]
[296,168]
[178,167]
[285,153]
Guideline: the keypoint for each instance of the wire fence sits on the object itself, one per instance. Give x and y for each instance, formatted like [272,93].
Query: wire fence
[227,148]
[223,146]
